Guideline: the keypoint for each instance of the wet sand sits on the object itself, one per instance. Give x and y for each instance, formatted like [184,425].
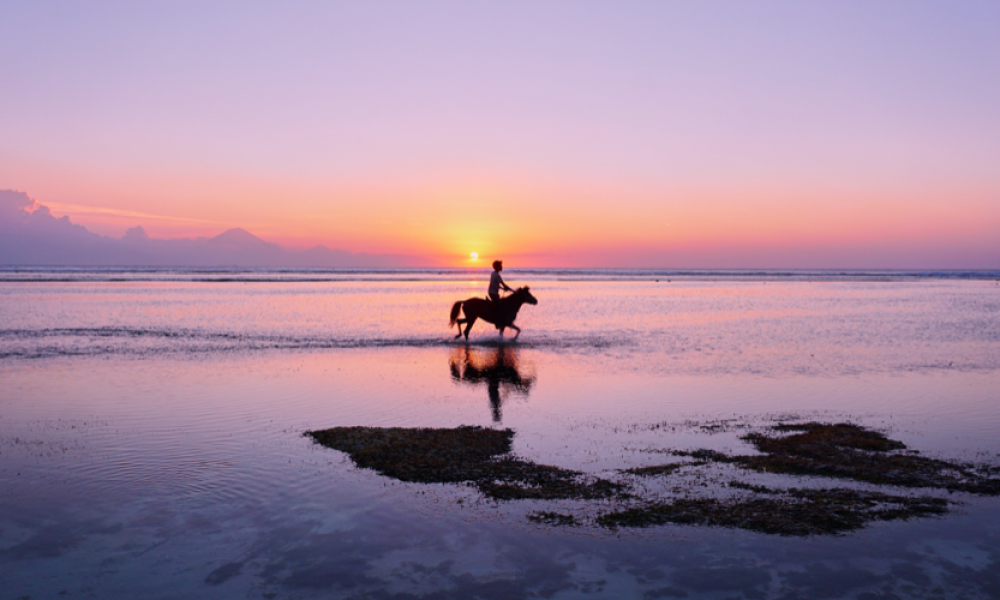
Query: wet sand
[151,441]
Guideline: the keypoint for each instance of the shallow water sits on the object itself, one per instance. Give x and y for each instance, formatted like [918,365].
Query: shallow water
[151,429]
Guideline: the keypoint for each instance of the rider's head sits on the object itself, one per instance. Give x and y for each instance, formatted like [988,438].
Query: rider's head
[498,265]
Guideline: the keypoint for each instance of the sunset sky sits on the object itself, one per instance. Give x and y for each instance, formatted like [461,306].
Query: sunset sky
[646,134]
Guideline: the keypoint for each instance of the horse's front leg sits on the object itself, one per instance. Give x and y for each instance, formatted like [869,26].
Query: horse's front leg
[517,329]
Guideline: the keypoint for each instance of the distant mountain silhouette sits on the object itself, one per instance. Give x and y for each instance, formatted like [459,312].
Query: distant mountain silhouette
[30,235]
[239,239]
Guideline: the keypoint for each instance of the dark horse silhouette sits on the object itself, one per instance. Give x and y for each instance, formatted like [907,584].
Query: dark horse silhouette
[502,316]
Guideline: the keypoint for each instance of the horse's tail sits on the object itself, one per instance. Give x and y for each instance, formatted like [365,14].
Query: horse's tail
[454,312]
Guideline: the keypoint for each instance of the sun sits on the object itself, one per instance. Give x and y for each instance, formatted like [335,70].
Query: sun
[474,256]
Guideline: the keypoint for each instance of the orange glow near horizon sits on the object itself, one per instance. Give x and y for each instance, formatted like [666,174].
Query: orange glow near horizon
[531,223]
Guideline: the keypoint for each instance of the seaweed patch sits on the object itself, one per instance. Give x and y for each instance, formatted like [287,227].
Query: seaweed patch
[661,469]
[552,518]
[482,457]
[848,451]
[477,455]
[793,512]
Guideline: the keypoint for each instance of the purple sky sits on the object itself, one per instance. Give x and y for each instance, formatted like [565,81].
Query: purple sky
[347,123]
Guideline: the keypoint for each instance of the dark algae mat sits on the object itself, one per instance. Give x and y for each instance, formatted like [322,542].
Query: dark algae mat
[861,458]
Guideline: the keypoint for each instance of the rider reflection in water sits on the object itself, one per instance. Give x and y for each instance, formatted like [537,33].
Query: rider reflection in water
[498,370]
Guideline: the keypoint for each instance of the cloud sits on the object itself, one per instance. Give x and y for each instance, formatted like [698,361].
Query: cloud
[30,235]
[12,201]
[135,235]
[79,209]
[15,208]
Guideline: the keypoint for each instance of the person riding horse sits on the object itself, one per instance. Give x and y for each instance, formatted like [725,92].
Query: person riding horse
[499,311]
[496,282]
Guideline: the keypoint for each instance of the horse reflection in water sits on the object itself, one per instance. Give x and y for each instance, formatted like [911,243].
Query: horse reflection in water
[496,368]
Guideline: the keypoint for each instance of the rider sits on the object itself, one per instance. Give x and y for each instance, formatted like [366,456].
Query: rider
[496,282]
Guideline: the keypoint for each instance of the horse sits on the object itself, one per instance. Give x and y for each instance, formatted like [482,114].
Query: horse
[481,308]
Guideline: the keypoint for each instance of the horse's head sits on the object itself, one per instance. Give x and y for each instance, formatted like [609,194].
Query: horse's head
[525,295]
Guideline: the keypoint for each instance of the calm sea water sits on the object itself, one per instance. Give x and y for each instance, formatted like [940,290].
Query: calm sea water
[151,428]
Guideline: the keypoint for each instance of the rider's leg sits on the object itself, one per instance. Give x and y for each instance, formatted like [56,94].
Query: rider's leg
[497,308]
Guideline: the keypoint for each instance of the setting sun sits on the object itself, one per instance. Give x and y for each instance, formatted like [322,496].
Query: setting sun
[474,256]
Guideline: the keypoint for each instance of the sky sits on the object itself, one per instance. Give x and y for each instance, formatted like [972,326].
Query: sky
[583,134]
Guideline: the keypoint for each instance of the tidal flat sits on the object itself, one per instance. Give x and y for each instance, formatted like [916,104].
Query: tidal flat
[732,438]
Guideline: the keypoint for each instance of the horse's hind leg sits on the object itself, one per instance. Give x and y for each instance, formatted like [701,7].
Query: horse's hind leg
[460,322]
[472,321]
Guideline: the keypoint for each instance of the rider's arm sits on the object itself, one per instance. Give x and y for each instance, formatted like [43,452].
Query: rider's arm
[504,285]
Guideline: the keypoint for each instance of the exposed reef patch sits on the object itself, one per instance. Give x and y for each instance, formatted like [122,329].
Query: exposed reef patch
[791,512]
[476,455]
[848,451]
[661,469]
[481,457]
[552,518]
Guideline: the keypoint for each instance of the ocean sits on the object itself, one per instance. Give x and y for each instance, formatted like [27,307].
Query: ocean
[152,429]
